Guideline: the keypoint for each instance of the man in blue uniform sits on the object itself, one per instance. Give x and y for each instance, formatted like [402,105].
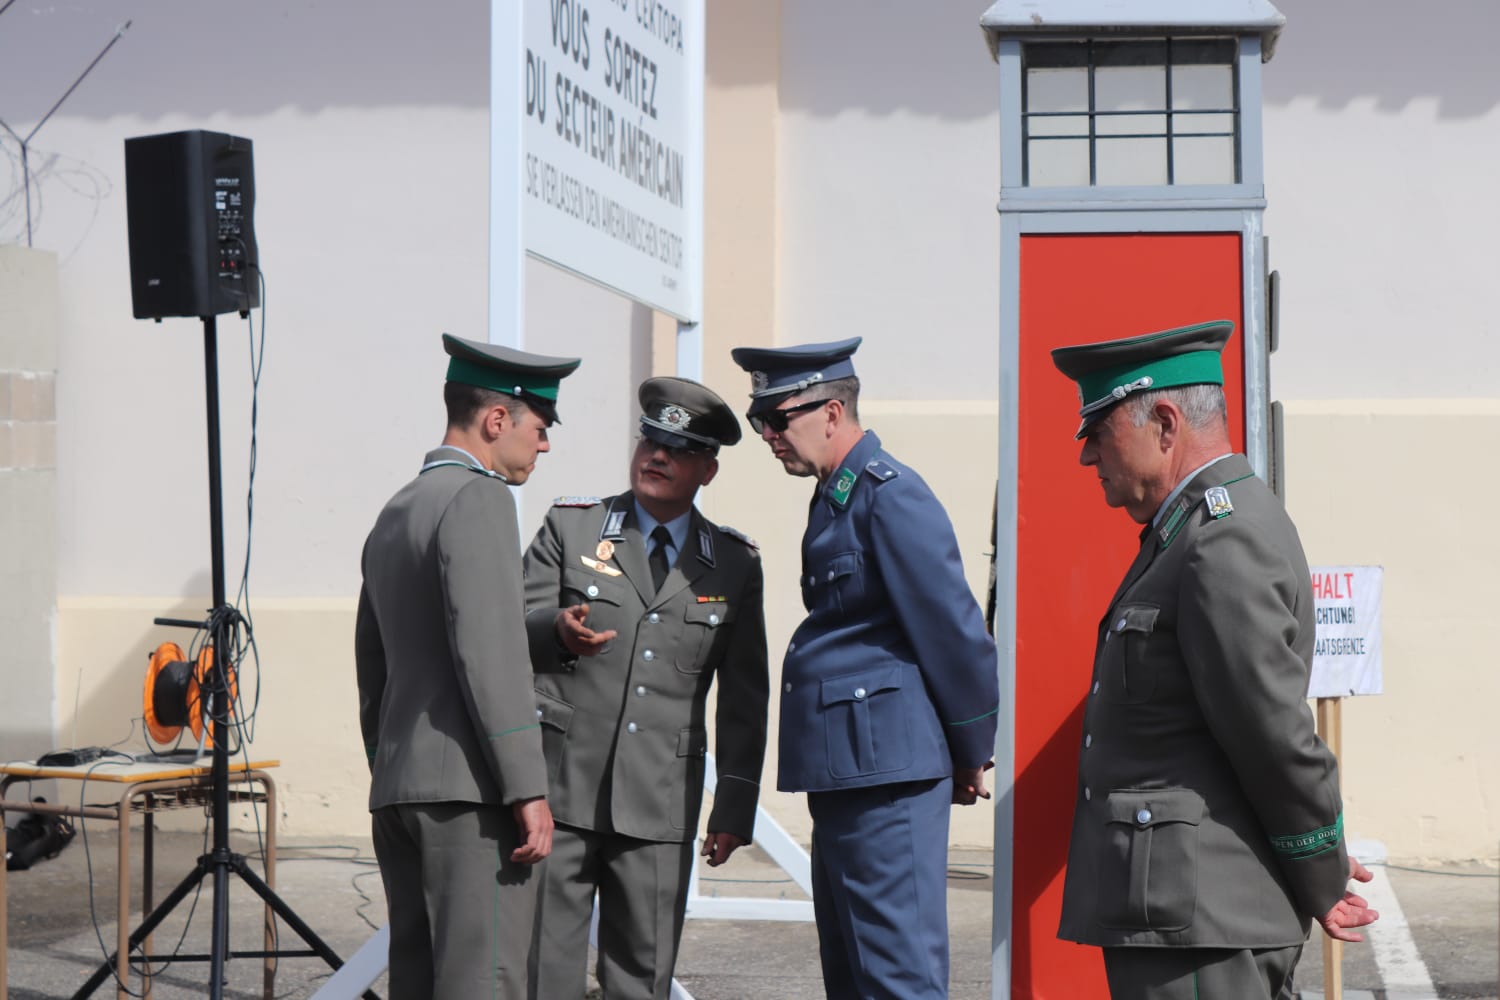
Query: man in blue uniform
[889,690]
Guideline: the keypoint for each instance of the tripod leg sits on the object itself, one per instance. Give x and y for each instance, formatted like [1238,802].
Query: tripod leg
[291,919]
[270,791]
[148,925]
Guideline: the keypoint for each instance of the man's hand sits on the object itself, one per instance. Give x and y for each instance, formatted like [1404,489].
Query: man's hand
[534,820]
[576,637]
[968,784]
[717,847]
[1351,911]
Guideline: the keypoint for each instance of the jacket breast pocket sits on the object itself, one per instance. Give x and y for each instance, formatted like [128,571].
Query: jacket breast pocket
[835,584]
[704,625]
[555,716]
[1129,676]
[865,723]
[1148,869]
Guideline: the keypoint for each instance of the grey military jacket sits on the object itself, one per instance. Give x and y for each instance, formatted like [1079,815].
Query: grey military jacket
[624,731]
[440,647]
[1208,811]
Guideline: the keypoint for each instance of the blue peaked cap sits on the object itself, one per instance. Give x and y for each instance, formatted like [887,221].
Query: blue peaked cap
[783,371]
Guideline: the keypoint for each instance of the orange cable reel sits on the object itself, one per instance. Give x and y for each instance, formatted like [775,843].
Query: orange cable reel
[172,697]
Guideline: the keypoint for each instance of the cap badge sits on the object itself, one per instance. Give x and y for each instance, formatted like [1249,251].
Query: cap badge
[760,381]
[675,417]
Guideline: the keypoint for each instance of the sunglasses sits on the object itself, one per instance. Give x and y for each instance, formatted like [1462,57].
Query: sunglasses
[777,420]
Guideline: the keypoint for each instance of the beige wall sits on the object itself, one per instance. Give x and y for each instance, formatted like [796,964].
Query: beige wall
[1406,484]
[29,330]
[852,172]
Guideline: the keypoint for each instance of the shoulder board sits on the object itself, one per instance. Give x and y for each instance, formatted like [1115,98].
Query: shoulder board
[739,536]
[882,471]
[576,501]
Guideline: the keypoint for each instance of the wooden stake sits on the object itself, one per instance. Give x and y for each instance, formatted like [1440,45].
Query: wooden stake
[1330,728]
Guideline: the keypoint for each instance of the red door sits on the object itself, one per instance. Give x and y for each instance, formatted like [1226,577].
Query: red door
[1071,548]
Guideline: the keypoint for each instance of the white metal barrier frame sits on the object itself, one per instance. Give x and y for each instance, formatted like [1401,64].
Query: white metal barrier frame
[365,966]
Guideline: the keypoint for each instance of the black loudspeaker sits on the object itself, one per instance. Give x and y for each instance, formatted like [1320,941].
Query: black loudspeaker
[189,204]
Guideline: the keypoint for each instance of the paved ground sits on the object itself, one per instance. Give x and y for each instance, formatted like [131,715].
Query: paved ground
[1453,915]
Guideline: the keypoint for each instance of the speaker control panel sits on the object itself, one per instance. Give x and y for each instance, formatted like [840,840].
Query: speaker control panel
[230,217]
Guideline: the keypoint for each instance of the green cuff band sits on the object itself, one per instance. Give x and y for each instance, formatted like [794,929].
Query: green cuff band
[515,729]
[510,383]
[1300,846]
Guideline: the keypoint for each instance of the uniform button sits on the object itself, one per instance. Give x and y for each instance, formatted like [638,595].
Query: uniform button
[593,591]
[1119,625]
[1143,816]
[1087,794]
[640,692]
[791,647]
[811,580]
[713,619]
[859,694]
[1088,740]
[1096,687]
[539,713]
[648,655]
[630,727]
[654,618]
[788,687]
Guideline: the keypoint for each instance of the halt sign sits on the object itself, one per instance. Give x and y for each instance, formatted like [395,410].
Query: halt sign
[1346,653]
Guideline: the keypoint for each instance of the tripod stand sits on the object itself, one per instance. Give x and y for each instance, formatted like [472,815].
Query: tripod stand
[220,862]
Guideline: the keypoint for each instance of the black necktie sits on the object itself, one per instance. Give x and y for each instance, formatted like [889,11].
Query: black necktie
[660,539]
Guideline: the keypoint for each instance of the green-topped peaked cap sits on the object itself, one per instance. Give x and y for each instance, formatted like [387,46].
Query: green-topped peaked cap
[532,378]
[1109,371]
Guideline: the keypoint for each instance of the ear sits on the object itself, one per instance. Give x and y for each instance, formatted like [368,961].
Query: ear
[709,471]
[1168,417]
[834,416]
[496,418]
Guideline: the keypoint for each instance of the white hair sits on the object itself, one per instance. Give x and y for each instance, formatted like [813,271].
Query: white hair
[1202,405]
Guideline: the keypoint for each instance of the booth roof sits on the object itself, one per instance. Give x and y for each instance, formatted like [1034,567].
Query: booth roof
[1092,17]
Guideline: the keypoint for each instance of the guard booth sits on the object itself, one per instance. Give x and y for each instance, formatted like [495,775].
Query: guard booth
[1131,200]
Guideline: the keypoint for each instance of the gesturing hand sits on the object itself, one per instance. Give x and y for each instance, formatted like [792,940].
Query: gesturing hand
[1351,911]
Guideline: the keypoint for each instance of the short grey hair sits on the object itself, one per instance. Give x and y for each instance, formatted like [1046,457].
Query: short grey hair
[1202,405]
[845,390]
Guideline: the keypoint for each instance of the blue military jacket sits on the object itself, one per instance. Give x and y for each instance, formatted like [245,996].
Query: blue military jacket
[892,676]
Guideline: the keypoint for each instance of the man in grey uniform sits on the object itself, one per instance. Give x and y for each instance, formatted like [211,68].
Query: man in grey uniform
[458,783]
[666,603]
[1208,826]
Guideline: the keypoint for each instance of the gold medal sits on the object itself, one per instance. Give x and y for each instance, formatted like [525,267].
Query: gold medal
[606,550]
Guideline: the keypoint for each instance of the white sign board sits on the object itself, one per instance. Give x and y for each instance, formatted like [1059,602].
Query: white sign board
[612,137]
[1346,653]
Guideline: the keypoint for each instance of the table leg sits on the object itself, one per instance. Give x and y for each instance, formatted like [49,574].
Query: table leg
[4,927]
[122,941]
[270,967]
[148,877]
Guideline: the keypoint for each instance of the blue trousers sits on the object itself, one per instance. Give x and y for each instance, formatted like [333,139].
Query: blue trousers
[879,868]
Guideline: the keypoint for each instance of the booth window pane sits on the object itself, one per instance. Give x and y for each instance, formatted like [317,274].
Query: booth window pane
[1129,104]
[1198,87]
[1142,124]
[1203,159]
[1059,162]
[1131,161]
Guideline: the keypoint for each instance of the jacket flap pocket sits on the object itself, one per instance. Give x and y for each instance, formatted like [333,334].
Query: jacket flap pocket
[710,613]
[593,586]
[839,566]
[1134,618]
[858,687]
[692,742]
[1146,807]
[553,711]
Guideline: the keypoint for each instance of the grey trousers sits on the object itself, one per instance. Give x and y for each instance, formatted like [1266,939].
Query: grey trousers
[642,886]
[1201,973]
[461,911]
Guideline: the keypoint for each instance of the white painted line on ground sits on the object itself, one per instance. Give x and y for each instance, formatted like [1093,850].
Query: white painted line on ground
[1402,971]
[1348,995]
